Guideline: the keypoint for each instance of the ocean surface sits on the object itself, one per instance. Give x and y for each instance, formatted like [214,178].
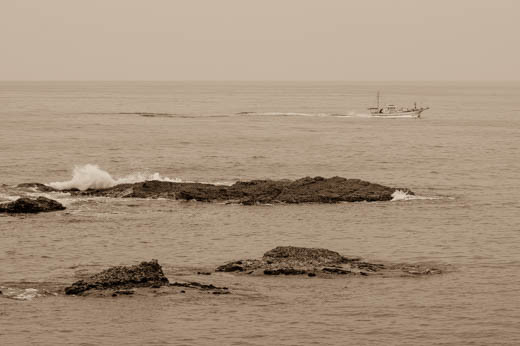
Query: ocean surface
[462,159]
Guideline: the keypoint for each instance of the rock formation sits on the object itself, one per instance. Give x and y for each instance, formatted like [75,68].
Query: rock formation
[37,186]
[31,205]
[136,279]
[290,260]
[146,274]
[305,190]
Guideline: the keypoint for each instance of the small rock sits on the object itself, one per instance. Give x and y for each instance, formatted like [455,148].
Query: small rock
[230,267]
[284,271]
[336,271]
[146,274]
[25,205]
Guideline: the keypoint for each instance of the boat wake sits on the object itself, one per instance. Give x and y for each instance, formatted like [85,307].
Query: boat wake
[296,114]
[351,114]
[393,117]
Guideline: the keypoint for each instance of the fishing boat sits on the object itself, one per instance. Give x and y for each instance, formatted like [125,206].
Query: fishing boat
[393,111]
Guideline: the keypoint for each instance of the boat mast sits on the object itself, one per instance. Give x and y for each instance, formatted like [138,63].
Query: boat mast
[378,99]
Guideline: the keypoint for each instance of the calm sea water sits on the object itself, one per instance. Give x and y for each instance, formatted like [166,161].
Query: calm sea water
[462,157]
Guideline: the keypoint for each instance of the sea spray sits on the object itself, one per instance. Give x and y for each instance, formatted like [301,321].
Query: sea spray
[90,176]
[400,195]
[19,293]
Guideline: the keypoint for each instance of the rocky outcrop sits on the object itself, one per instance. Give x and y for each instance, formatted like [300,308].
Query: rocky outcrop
[146,274]
[27,205]
[37,187]
[290,260]
[305,190]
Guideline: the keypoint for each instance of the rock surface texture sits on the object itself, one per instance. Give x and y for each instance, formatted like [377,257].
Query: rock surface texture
[26,205]
[290,260]
[145,274]
[305,190]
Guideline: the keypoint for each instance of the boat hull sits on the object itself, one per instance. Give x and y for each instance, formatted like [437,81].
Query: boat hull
[403,114]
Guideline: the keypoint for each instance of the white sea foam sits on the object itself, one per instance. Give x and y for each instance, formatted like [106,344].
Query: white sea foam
[400,195]
[7,198]
[92,177]
[20,293]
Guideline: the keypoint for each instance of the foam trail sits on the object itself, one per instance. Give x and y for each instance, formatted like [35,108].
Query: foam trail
[294,114]
[92,177]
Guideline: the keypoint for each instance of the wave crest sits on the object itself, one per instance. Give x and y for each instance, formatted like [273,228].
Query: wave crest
[92,177]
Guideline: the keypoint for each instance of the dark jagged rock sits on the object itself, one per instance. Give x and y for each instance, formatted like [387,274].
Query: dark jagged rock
[305,190]
[232,267]
[123,292]
[335,271]
[290,260]
[284,271]
[303,255]
[38,187]
[27,205]
[198,285]
[146,274]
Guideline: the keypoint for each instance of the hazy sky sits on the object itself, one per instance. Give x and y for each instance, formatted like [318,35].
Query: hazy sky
[259,40]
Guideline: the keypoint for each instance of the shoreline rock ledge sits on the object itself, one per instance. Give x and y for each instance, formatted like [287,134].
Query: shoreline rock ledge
[304,190]
[291,260]
[25,205]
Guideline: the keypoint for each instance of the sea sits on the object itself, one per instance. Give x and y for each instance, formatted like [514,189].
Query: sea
[461,158]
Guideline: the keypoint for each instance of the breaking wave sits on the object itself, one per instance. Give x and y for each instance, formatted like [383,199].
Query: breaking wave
[92,177]
[400,195]
[20,293]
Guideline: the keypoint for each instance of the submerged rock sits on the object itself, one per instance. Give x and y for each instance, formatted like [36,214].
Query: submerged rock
[203,287]
[305,190]
[31,206]
[290,260]
[146,274]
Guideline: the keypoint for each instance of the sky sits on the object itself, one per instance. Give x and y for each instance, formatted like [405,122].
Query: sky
[352,40]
